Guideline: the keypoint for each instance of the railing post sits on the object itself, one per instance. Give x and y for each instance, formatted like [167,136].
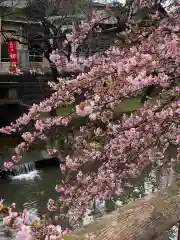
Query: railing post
[178,235]
[12,94]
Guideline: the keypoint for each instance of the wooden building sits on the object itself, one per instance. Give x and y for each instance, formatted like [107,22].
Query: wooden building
[17,26]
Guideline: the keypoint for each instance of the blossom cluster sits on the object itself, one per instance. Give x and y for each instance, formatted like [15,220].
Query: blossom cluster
[110,150]
[26,226]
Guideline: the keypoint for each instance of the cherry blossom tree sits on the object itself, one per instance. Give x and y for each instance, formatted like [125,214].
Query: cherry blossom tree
[110,150]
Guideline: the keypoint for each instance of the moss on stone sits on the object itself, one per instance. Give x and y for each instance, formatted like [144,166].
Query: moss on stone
[128,105]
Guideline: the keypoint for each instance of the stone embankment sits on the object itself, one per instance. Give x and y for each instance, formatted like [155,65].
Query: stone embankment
[2,235]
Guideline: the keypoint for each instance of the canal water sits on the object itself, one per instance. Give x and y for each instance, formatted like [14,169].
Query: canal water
[31,186]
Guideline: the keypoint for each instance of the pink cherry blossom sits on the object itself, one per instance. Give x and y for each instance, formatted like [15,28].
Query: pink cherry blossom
[13,205]
[1,202]
[62,167]
[6,220]
[8,164]
[59,188]
[3,130]
[24,233]
[16,159]
[51,201]
[83,109]
[111,147]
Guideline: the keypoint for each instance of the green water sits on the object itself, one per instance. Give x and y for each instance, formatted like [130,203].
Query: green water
[31,188]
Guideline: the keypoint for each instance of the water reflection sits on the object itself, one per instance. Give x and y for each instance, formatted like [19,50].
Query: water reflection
[32,190]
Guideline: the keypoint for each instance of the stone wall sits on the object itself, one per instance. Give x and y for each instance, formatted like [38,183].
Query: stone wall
[30,89]
[34,89]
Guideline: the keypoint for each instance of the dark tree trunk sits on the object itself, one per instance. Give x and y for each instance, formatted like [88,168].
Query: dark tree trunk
[54,71]
[53,67]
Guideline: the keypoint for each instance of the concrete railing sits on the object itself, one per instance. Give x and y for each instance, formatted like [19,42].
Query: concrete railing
[143,219]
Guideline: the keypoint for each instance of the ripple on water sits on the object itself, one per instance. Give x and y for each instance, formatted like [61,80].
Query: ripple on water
[27,176]
[32,190]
